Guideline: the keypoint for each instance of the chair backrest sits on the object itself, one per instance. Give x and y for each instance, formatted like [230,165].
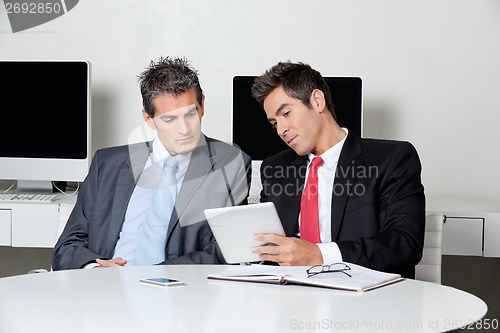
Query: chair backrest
[429,268]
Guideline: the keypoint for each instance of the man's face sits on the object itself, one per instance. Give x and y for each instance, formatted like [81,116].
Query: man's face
[177,121]
[294,122]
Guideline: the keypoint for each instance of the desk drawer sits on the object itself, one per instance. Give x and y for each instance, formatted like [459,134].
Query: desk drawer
[5,227]
[463,236]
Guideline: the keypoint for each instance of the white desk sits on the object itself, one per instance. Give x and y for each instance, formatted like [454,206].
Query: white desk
[112,300]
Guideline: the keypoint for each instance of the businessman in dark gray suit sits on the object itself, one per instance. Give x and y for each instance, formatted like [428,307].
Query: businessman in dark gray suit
[116,200]
[366,204]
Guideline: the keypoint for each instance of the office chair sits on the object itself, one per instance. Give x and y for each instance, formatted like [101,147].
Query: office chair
[429,267]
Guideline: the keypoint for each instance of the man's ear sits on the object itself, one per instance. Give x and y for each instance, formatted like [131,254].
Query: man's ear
[148,120]
[318,100]
[201,111]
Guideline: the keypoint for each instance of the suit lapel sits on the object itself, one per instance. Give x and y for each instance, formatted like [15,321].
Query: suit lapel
[345,177]
[200,165]
[128,176]
[294,185]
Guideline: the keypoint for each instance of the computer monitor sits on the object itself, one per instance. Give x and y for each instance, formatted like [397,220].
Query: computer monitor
[45,116]
[254,135]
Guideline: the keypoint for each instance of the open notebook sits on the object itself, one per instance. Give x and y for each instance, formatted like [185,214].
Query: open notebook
[358,278]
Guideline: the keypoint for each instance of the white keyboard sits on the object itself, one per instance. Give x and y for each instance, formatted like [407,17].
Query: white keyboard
[27,197]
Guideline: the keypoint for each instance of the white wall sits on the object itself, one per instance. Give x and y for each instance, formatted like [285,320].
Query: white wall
[430,69]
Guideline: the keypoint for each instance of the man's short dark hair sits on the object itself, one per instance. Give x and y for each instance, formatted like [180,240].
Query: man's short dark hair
[168,76]
[298,81]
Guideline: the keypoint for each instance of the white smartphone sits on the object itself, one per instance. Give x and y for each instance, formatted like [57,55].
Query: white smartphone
[162,282]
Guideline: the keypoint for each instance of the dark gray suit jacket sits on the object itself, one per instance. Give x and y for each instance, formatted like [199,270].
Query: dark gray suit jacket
[378,202]
[218,175]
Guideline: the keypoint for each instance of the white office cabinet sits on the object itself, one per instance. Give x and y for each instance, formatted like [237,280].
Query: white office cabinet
[463,236]
[5,227]
[34,225]
[492,235]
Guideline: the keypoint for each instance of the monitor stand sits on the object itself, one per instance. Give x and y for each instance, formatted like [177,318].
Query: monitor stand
[34,186]
[256,184]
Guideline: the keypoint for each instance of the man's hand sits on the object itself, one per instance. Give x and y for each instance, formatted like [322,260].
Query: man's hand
[288,251]
[111,263]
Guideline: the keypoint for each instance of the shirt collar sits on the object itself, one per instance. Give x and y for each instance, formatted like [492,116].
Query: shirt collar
[160,153]
[332,155]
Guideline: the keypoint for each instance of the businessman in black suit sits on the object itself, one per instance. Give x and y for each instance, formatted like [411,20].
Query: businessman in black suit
[108,225]
[370,207]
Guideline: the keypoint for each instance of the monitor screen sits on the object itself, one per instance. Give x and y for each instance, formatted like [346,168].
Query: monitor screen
[250,126]
[45,108]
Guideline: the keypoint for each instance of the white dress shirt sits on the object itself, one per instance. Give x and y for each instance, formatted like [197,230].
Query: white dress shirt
[326,182]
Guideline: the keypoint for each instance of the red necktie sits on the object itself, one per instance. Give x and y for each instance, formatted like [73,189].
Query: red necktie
[309,216]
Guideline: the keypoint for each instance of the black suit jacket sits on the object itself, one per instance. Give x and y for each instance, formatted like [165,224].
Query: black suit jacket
[378,202]
[218,175]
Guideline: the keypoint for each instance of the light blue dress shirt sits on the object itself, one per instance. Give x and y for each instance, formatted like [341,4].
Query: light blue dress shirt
[140,200]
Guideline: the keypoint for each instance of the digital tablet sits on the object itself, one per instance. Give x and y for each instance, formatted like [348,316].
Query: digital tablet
[234,228]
